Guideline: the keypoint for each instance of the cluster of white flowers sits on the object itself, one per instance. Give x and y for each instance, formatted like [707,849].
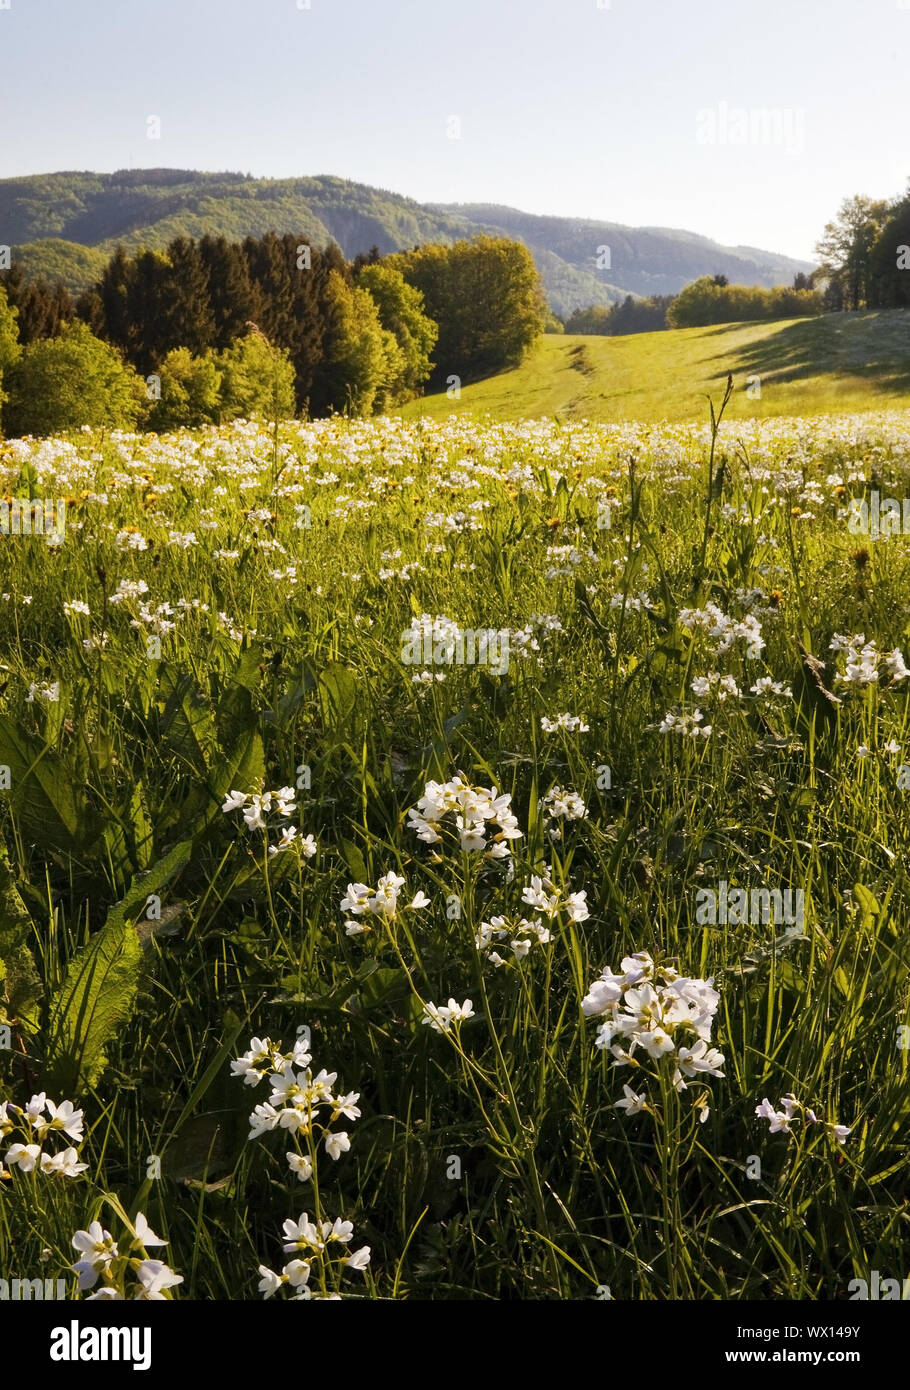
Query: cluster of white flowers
[562,804]
[473,810]
[632,602]
[572,723]
[689,725]
[724,687]
[35,1123]
[158,619]
[524,643]
[322,1242]
[76,606]
[547,622]
[128,590]
[654,1010]
[438,634]
[716,685]
[306,1106]
[299,1102]
[765,687]
[48,692]
[725,630]
[567,559]
[131,539]
[257,805]
[404,572]
[792,1110]
[442,1017]
[101,1258]
[524,933]
[521,936]
[363,901]
[455,524]
[543,895]
[863,659]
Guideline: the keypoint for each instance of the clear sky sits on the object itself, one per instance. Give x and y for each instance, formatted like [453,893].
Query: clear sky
[564,106]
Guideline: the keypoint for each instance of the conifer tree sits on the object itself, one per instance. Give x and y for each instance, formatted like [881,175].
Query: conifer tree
[191,323]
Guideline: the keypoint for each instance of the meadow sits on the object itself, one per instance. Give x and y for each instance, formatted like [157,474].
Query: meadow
[457,860]
[832,364]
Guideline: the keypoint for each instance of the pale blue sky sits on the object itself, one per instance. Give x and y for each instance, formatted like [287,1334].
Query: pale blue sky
[565,107]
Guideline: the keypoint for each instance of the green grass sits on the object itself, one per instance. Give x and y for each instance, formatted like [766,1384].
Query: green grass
[491,1163]
[840,362]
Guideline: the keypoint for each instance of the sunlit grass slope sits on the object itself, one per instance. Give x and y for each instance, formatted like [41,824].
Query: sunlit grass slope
[806,367]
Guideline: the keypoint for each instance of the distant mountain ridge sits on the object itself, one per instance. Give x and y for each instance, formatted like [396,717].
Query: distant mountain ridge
[64,225]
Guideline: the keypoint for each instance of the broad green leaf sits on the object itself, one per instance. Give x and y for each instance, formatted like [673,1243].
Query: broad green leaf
[94,1001]
[337,695]
[99,988]
[242,769]
[50,805]
[20,984]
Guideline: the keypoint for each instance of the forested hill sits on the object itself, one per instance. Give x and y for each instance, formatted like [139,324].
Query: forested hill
[65,225]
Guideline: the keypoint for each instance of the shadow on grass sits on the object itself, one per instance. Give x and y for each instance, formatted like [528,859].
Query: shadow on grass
[872,346]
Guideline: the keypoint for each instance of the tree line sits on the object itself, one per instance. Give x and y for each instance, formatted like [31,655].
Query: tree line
[710,299]
[865,254]
[211,329]
[865,264]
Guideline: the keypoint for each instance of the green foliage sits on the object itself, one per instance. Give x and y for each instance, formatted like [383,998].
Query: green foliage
[98,992]
[45,789]
[363,359]
[846,248]
[889,261]
[60,384]
[94,1000]
[41,307]
[9,343]
[555,1191]
[190,391]
[630,316]
[20,984]
[151,207]
[707,301]
[257,380]
[52,259]
[487,299]
[401,312]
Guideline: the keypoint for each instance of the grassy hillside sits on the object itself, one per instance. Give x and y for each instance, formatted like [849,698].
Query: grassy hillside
[149,207]
[807,366]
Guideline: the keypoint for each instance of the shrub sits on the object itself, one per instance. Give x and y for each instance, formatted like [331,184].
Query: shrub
[60,384]
[190,391]
[257,380]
